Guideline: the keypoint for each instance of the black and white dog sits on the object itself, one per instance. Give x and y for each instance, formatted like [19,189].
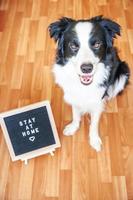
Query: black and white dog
[88,68]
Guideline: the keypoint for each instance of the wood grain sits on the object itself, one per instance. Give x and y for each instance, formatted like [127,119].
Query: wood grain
[76,172]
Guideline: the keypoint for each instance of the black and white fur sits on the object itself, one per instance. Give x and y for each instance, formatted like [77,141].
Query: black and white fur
[88,68]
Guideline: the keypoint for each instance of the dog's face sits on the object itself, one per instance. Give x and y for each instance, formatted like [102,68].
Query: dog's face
[84,43]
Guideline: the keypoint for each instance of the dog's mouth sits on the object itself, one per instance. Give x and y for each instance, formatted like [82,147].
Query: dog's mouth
[86,79]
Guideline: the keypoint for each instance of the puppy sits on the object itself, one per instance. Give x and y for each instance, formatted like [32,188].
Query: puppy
[88,69]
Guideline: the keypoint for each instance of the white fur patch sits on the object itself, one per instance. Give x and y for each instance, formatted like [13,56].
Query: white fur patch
[83,30]
[117,87]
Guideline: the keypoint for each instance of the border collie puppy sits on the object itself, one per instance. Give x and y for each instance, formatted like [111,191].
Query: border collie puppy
[88,68]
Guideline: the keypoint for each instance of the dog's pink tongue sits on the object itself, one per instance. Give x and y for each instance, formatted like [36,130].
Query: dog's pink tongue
[86,79]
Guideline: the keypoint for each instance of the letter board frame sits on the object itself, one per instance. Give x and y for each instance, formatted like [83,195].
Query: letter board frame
[6,119]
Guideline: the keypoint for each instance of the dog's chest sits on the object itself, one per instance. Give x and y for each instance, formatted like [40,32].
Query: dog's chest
[83,98]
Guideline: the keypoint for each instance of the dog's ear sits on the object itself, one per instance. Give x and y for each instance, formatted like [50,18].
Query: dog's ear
[57,28]
[111,28]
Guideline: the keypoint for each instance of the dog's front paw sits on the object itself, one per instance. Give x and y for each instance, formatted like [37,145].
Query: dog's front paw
[70,129]
[96,142]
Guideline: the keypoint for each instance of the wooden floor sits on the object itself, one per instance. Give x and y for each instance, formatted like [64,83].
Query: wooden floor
[76,172]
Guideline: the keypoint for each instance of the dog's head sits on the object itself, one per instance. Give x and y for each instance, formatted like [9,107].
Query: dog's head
[84,43]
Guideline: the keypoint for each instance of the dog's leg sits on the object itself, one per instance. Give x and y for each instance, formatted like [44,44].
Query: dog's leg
[71,128]
[95,140]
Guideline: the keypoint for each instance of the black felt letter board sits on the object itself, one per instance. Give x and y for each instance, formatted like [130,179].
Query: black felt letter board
[30,130]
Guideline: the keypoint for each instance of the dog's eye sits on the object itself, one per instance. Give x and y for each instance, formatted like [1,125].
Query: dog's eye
[97,44]
[74,46]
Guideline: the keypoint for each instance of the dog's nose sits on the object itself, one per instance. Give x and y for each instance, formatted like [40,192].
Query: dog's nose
[87,68]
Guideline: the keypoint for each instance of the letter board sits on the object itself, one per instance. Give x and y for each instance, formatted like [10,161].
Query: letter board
[30,131]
